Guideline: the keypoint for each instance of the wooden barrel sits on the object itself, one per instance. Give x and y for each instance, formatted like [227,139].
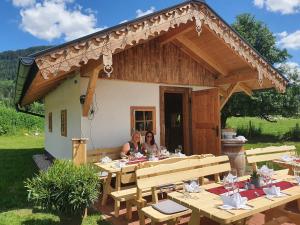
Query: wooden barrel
[236,154]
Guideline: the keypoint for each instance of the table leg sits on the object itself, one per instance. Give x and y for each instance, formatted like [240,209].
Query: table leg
[195,218]
[106,189]
[117,188]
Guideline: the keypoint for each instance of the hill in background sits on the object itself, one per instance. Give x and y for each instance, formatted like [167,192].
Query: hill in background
[8,70]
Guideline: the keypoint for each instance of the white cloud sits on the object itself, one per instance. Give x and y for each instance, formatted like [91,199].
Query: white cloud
[140,12]
[23,3]
[289,41]
[259,3]
[282,6]
[52,19]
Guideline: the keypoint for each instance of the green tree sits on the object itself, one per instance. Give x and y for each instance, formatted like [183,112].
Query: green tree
[269,102]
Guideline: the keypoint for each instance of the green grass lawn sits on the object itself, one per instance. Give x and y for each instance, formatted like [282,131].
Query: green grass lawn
[16,165]
[278,128]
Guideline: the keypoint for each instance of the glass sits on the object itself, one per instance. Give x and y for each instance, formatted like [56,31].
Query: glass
[178,150]
[148,115]
[185,190]
[149,125]
[296,170]
[139,115]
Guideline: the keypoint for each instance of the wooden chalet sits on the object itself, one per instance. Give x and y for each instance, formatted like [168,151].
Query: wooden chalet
[171,71]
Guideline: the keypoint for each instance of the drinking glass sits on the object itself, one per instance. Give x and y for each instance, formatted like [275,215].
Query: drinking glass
[227,185]
[235,183]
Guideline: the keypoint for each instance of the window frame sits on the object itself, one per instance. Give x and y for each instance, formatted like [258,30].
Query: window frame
[63,123]
[133,109]
[50,122]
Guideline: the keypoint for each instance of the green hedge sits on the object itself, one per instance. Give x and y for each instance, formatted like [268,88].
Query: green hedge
[13,122]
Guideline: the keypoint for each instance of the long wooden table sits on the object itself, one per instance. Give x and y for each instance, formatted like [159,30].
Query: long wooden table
[287,164]
[206,204]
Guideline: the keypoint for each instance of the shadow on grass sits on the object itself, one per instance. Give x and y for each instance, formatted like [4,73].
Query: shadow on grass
[16,165]
[40,222]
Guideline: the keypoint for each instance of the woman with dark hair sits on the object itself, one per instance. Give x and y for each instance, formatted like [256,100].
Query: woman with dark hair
[149,146]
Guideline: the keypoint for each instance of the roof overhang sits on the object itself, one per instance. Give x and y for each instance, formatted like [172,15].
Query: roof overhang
[46,69]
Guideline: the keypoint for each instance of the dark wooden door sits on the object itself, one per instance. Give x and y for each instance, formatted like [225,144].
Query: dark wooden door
[206,122]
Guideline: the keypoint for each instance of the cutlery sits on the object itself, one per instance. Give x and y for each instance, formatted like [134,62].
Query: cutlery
[271,199]
[256,193]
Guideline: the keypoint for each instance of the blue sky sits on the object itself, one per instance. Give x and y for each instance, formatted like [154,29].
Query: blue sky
[26,23]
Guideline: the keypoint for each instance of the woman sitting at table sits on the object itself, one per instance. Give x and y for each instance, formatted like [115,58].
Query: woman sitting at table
[132,146]
[150,147]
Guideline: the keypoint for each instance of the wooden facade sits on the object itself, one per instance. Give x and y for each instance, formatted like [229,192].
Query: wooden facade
[168,64]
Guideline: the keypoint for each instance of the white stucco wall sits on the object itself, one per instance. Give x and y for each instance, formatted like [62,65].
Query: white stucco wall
[110,127]
[66,96]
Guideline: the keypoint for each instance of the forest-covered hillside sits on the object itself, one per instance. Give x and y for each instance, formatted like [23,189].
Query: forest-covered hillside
[8,70]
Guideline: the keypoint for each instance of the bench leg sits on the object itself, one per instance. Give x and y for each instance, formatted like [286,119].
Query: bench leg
[117,208]
[129,210]
[140,204]
[195,218]
[106,190]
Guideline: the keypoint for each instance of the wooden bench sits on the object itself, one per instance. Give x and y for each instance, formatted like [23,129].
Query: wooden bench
[96,154]
[257,155]
[151,178]
[128,176]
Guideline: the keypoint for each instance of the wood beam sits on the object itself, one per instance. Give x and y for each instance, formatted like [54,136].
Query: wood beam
[229,92]
[171,35]
[91,90]
[246,89]
[236,76]
[222,92]
[192,46]
[195,57]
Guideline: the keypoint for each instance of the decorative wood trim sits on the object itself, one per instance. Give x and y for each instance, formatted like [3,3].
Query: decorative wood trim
[133,109]
[171,35]
[229,91]
[50,122]
[63,123]
[186,114]
[91,90]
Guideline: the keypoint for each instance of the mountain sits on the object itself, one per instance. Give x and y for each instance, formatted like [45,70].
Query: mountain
[9,61]
[8,70]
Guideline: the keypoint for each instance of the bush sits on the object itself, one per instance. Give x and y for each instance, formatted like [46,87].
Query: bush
[249,131]
[12,122]
[293,134]
[64,189]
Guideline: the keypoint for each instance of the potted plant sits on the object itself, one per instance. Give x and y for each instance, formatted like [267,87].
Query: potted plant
[65,190]
[255,179]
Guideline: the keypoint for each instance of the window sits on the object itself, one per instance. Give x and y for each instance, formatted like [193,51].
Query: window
[50,121]
[63,117]
[143,119]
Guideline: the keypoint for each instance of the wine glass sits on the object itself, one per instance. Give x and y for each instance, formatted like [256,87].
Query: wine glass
[234,183]
[185,190]
[227,184]
[296,170]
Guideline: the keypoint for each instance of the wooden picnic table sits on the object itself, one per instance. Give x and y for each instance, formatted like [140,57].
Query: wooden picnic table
[206,203]
[288,164]
[112,169]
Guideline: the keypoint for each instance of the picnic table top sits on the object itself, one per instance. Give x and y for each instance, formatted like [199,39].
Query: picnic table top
[206,203]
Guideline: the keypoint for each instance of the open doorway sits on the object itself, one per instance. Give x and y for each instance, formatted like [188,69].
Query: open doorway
[173,121]
[175,118]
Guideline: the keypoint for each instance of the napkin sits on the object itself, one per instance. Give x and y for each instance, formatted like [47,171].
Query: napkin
[165,152]
[241,138]
[138,155]
[192,187]
[153,158]
[298,180]
[287,158]
[230,178]
[273,191]
[106,159]
[120,164]
[181,155]
[265,171]
[234,201]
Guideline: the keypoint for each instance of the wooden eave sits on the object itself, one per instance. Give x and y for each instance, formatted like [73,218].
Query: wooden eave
[57,64]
